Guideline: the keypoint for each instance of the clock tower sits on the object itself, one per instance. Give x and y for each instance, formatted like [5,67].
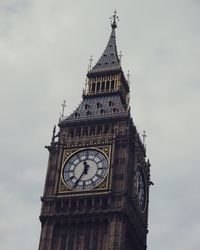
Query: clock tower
[97,183]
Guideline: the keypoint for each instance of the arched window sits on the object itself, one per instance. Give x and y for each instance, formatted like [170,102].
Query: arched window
[98,86]
[93,86]
[99,105]
[102,86]
[87,106]
[107,85]
[78,132]
[85,131]
[107,129]
[111,104]
[77,115]
[99,129]
[112,84]
[115,110]
[92,130]
[71,133]
[102,111]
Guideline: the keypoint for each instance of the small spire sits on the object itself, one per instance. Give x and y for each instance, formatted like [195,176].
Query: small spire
[144,137]
[128,77]
[120,57]
[90,63]
[63,109]
[54,132]
[114,20]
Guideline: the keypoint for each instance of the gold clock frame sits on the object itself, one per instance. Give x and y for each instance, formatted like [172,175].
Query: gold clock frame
[102,188]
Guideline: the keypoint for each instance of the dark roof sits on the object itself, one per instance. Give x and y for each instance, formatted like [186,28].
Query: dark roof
[98,107]
[109,59]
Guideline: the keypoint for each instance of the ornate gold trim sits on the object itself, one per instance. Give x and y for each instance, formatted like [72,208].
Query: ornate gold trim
[104,186]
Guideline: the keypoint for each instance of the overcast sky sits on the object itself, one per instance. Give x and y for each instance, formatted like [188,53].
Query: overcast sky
[45,46]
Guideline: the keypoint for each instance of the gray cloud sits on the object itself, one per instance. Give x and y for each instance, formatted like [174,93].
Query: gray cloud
[44,52]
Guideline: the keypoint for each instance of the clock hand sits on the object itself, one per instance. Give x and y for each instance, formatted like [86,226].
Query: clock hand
[86,167]
[85,171]
[78,179]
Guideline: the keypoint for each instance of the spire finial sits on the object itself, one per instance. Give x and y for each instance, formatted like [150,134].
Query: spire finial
[114,20]
[90,63]
[144,138]
[63,109]
[128,77]
[53,136]
[120,57]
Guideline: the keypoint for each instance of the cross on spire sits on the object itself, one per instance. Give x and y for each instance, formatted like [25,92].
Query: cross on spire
[114,20]
[63,108]
[90,63]
[120,57]
[144,137]
[128,77]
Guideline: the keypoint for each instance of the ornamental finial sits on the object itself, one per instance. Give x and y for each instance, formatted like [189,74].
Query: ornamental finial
[120,57]
[128,77]
[53,136]
[63,109]
[90,63]
[144,138]
[114,20]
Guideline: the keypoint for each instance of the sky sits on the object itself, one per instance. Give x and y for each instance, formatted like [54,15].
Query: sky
[45,46]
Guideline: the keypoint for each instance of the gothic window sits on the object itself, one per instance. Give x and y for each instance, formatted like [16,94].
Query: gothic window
[87,106]
[77,115]
[111,104]
[90,86]
[114,128]
[98,86]
[88,113]
[107,85]
[102,86]
[78,132]
[71,133]
[107,129]
[99,105]
[99,129]
[85,131]
[115,110]
[93,86]
[102,111]
[92,130]
[112,84]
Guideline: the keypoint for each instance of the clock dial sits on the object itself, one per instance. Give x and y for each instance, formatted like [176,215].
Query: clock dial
[139,185]
[85,170]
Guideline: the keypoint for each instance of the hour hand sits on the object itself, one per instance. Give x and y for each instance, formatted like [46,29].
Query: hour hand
[85,171]
[86,166]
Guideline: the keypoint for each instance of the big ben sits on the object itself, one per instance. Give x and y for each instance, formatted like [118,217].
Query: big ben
[96,191]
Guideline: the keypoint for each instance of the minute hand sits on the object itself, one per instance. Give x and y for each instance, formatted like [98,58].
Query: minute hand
[78,179]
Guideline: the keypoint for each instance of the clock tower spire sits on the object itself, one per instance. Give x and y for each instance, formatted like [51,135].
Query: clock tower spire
[97,184]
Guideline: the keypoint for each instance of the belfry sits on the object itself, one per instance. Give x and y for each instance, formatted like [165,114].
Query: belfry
[96,192]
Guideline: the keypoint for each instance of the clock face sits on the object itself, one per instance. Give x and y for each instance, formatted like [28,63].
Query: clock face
[139,185]
[85,169]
